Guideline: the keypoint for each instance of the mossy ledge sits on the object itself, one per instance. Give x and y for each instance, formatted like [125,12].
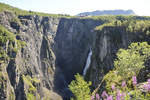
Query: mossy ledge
[9,45]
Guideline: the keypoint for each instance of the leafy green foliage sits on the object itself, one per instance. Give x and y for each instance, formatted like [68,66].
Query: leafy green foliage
[112,78]
[132,59]
[135,26]
[80,88]
[31,90]
[128,63]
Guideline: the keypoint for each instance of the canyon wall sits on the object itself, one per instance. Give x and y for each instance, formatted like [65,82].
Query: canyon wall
[55,50]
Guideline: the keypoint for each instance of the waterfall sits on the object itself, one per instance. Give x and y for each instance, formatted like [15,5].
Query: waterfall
[88,62]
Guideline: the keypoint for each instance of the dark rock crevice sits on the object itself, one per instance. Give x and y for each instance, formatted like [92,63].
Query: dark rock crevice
[11,70]
[19,92]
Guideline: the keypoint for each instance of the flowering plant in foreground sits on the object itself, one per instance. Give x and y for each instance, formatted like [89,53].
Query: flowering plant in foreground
[147,86]
[124,94]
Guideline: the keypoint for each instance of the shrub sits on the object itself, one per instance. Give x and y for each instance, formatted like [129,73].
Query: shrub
[132,59]
[80,88]
[128,63]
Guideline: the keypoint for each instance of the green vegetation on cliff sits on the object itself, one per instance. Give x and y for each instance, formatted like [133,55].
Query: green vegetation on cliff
[31,89]
[130,26]
[6,39]
[9,45]
[5,35]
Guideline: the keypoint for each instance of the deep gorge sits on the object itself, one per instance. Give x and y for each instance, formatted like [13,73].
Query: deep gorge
[56,49]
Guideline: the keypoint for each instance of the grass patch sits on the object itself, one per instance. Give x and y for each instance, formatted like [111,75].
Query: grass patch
[5,35]
[17,11]
[31,91]
[30,96]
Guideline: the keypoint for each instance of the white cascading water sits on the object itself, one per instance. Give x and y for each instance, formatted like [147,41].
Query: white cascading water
[88,62]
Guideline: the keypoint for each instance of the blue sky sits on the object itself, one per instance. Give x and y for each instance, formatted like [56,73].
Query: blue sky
[73,7]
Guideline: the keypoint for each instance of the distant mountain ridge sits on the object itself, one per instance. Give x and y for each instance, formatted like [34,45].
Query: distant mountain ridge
[107,12]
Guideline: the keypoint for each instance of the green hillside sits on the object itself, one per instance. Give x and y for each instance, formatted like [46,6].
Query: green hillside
[17,11]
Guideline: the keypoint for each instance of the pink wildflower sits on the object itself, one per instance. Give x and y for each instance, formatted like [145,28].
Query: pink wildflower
[118,97]
[146,87]
[123,96]
[113,87]
[123,83]
[148,81]
[134,80]
[110,97]
[92,97]
[97,96]
[104,94]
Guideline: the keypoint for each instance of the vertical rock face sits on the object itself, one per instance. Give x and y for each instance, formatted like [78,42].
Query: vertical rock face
[37,58]
[31,73]
[73,39]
